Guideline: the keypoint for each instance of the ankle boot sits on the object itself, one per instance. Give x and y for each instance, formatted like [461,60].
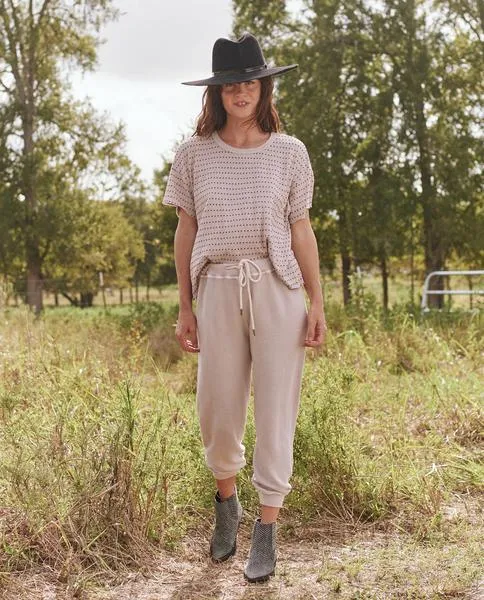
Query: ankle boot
[228,514]
[263,554]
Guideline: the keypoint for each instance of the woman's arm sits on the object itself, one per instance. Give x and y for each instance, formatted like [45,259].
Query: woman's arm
[185,234]
[305,248]
[186,330]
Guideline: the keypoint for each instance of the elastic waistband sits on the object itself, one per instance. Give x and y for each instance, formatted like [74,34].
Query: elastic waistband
[220,269]
[246,270]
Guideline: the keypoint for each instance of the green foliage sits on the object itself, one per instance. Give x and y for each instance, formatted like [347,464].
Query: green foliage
[390,181]
[69,153]
[167,221]
[326,476]
[147,316]
[102,240]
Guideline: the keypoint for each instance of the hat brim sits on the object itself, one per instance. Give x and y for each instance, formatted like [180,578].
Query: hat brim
[238,77]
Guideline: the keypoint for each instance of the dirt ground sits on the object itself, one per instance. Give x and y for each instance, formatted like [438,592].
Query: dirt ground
[329,561]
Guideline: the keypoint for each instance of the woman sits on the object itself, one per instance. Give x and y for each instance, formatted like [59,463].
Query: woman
[242,191]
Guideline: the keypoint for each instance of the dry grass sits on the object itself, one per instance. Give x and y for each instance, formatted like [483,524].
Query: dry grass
[327,560]
[102,477]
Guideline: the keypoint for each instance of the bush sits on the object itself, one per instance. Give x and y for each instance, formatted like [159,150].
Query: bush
[326,477]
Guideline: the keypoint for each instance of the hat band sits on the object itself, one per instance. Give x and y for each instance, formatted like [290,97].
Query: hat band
[239,71]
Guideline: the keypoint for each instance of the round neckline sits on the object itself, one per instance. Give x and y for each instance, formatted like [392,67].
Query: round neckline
[226,146]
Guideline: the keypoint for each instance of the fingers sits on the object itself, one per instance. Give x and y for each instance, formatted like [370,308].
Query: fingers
[310,333]
[316,332]
[194,341]
[188,346]
[192,346]
[187,339]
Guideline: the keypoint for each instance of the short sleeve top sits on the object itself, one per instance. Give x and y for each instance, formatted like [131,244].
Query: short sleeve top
[244,200]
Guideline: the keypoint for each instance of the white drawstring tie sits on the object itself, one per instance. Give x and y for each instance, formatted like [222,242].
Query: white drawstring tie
[245,277]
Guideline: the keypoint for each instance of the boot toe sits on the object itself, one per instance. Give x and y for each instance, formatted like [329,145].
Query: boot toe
[220,553]
[258,575]
[263,555]
[224,540]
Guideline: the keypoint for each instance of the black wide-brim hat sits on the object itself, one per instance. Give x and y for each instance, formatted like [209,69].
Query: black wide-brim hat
[242,60]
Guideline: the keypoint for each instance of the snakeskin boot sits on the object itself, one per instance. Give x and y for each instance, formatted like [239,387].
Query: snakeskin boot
[263,554]
[228,514]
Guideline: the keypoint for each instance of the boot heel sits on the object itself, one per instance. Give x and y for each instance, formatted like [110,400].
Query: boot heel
[228,515]
[263,555]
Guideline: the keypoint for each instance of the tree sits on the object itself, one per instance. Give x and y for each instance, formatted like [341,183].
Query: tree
[37,39]
[8,203]
[437,60]
[388,97]
[102,240]
[332,44]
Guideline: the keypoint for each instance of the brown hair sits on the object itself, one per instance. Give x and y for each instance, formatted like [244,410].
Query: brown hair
[213,115]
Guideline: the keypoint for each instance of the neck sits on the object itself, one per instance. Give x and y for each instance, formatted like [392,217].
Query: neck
[237,133]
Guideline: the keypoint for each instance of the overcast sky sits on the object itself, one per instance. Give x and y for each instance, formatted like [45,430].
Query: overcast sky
[154,46]
[149,50]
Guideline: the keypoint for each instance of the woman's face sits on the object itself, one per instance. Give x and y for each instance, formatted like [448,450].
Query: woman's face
[240,99]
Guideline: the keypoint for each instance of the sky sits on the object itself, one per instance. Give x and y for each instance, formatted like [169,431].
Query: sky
[147,53]
[149,50]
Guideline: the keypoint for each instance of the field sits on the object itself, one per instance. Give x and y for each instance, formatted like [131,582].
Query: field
[104,493]
[367,284]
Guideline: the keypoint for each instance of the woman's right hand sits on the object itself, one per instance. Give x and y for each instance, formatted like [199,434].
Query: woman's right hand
[186,331]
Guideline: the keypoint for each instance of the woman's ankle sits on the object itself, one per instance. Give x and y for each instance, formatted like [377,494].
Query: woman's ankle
[269,514]
[226,487]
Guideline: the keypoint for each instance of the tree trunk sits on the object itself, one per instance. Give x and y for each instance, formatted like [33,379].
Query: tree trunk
[450,298]
[344,229]
[34,281]
[433,242]
[469,281]
[26,95]
[86,299]
[434,256]
[412,264]
[345,273]
[33,258]
[72,299]
[384,277]
[345,258]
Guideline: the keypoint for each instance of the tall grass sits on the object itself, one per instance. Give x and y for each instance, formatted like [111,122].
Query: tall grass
[101,460]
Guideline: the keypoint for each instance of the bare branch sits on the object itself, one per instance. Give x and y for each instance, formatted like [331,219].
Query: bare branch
[18,26]
[471,26]
[13,51]
[46,250]
[5,87]
[32,67]
[42,12]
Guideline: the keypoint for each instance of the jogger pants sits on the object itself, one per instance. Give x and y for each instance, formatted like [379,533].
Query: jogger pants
[249,320]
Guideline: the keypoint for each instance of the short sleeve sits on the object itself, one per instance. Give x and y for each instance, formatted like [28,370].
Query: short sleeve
[302,185]
[178,191]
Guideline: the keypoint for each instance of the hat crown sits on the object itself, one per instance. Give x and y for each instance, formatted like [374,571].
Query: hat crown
[245,53]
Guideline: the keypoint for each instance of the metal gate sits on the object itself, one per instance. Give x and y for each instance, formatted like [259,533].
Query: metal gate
[426,292]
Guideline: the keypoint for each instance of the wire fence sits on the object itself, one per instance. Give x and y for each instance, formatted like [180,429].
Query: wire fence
[58,293]
[61,293]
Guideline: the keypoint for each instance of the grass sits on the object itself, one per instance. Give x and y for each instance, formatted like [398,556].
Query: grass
[101,466]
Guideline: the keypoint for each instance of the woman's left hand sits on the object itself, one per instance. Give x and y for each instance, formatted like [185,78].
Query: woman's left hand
[316,331]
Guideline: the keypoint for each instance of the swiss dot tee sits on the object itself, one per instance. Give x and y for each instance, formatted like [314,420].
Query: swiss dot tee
[244,200]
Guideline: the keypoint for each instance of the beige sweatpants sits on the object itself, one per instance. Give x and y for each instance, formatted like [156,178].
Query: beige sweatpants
[229,350]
